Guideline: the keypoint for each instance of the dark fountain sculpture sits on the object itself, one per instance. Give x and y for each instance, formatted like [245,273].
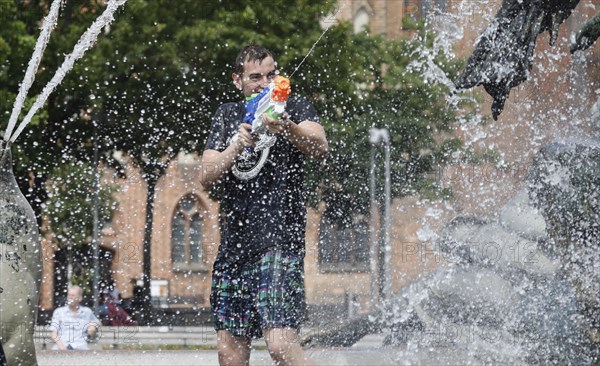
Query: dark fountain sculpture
[522,285]
[20,267]
[503,57]
[564,180]
[20,250]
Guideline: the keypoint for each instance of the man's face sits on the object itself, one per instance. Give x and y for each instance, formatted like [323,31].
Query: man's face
[73,297]
[256,75]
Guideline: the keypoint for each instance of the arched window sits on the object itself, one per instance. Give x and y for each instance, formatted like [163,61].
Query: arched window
[186,234]
[344,244]
[361,20]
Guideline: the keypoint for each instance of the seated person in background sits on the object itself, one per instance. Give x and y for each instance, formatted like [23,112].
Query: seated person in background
[73,324]
[115,315]
[103,308]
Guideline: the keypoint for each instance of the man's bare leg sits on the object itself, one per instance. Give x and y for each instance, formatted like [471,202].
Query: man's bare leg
[233,351]
[284,347]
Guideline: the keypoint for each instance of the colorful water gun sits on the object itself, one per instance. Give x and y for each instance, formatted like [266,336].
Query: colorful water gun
[271,100]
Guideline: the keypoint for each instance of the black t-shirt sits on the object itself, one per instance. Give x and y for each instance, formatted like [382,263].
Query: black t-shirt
[262,199]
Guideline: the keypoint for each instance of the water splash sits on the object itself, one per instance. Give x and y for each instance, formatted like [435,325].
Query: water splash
[42,41]
[86,41]
[447,31]
[318,39]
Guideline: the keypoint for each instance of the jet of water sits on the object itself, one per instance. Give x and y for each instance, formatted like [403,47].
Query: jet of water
[318,39]
[47,28]
[86,41]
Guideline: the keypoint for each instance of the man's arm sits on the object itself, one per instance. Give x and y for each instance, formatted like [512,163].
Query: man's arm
[306,136]
[54,335]
[216,163]
[56,339]
[92,326]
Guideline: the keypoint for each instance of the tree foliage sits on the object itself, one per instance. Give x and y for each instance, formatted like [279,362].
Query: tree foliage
[389,92]
[155,77]
[157,74]
[69,206]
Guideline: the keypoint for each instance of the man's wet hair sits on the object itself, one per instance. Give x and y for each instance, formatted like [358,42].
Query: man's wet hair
[250,53]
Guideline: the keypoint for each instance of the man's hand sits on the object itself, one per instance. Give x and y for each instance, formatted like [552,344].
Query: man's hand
[56,338]
[91,331]
[244,138]
[216,163]
[306,136]
[277,126]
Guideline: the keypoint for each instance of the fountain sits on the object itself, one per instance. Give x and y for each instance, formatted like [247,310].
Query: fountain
[20,267]
[20,264]
[520,285]
[564,185]
[503,57]
[506,295]
[537,257]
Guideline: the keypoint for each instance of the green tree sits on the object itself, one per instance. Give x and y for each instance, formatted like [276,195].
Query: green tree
[394,95]
[17,39]
[69,210]
[157,74]
[69,205]
[153,79]
[160,91]
[390,92]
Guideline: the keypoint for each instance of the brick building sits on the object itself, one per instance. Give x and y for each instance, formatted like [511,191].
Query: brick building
[185,233]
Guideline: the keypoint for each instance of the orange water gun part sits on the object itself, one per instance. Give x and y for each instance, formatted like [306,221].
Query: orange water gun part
[282,89]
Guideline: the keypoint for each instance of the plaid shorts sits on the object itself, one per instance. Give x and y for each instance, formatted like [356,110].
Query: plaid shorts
[267,293]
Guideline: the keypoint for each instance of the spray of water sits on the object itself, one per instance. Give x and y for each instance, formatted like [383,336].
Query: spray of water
[86,41]
[318,39]
[48,26]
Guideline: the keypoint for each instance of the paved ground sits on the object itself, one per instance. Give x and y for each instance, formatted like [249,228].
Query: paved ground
[346,356]
[114,348]
[153,346]
[153,338]
[367,352]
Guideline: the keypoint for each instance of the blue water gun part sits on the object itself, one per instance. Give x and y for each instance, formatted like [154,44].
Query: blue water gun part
[252,104]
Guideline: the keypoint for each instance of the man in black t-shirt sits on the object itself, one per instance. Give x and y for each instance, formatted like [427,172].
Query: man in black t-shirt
[258,276]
